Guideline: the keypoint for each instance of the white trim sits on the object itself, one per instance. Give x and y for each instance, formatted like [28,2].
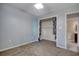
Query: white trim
[72,12]
[66,24]
[48,17]
[16,46]
[60,46]
[38,27]
[65,31]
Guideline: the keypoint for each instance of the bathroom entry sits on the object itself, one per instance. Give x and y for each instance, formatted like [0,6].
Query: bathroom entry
[48,29]
[72,31]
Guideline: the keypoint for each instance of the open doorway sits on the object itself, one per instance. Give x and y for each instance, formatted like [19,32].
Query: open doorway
[72,31]
[47,29]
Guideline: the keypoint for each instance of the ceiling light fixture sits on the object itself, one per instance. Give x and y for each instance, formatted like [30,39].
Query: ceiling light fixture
[39,6]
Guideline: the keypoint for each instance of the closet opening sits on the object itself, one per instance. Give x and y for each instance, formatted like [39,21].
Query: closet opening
[47,29]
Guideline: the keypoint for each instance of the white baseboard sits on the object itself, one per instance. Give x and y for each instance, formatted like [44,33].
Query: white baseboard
[60,46]
[17,46]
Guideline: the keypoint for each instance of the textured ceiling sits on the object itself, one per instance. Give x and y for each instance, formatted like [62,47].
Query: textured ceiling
[48,7]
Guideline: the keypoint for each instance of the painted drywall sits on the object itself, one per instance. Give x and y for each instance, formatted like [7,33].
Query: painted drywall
[61,40]
[35,29]
[17,27]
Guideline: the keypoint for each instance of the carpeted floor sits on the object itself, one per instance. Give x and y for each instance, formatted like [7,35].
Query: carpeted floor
[42,48]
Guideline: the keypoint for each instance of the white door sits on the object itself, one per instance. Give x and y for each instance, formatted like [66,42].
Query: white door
[47,30]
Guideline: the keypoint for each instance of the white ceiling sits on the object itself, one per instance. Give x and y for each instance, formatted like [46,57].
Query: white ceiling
[48,7]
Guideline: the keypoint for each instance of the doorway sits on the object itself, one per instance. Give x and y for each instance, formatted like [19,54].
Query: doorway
[72,31]
[47,30]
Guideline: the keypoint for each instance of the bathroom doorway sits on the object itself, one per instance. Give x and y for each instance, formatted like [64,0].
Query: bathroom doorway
[72,31]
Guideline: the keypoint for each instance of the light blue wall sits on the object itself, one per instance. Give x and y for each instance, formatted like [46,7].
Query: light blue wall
[16,27]
[35,28]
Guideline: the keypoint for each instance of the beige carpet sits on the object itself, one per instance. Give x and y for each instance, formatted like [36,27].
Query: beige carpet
[42,48]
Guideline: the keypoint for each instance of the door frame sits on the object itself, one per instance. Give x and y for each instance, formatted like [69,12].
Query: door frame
[44,19]
[67,28]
